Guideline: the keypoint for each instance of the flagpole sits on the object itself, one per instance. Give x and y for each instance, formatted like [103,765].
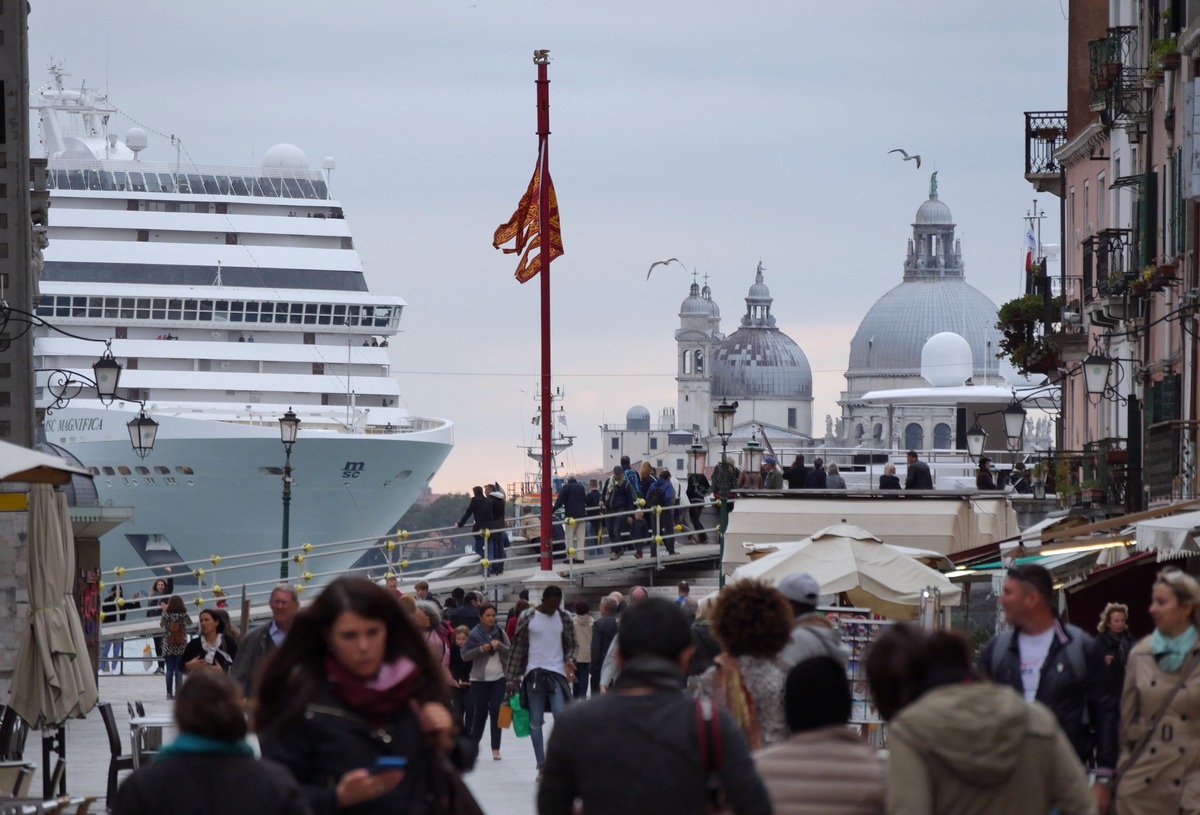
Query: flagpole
[543,132]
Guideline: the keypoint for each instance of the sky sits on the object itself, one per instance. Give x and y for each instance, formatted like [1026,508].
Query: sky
[721,134]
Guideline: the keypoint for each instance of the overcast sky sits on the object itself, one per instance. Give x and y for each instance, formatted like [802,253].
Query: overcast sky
[718,133]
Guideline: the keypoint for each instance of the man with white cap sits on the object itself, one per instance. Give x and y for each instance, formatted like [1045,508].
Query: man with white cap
[812,634]
[774,478]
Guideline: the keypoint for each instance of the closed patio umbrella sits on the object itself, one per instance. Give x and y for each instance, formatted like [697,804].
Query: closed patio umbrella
[847,558]
[52,679]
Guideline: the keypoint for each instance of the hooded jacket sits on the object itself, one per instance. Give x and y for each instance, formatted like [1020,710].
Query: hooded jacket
[813,636]
[828,771]
[981,749]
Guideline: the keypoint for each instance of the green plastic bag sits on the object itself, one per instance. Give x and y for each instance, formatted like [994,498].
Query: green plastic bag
[520,717]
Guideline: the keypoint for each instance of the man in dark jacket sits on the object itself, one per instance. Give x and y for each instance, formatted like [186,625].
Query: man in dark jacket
[697,489]
[918,477]
[480,509]
[497,542]
[1045,659]
[796,474]
[640,749]
[662,494]
[255,646]
[572,499]
[983,478]
[468,613]
[815,479]
[618,497]
[604,631]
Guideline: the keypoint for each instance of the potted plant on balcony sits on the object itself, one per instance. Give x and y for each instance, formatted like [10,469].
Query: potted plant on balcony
[1116,455]
[1139,284]
[1021,341]
[1091,491]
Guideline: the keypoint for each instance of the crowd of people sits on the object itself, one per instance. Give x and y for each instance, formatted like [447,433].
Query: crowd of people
[372,701]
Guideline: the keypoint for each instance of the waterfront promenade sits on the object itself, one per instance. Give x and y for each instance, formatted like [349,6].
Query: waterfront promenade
[505,787]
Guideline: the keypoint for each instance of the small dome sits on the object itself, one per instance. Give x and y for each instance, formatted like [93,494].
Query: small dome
[637,418]
[934,212]
[694,305]
[285,157]
[946,360]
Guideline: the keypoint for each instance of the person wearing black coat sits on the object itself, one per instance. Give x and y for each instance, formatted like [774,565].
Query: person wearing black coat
[889,480]
[697,490]
[604,631]
[572,499]
[983,478]
[815,479]
[480,510]
[1115,641]
[918,477]
[209,768]
[796,475]
[341,693]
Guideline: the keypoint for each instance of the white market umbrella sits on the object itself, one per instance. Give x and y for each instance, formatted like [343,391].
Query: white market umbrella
[20,464]
[847,558]
[1172,536]
[52,678]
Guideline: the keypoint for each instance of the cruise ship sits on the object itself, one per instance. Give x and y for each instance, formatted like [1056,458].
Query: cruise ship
[230,295]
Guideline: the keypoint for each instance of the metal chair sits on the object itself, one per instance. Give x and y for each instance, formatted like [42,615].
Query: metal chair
[15,777]
[119,761]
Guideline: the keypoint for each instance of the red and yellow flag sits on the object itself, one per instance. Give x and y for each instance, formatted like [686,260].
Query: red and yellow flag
[522,228]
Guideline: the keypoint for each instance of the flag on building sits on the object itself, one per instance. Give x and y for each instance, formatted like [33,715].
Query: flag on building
[523,227]
[1031,247]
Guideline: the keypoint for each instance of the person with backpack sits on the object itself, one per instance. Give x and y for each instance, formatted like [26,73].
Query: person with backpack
[662,494]
[174,622]
[618,498]
[1057,664]
[631,477]
[572,499]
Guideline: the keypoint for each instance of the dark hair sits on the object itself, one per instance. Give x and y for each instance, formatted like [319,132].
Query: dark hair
[212,612]
[523,594]
[292,676]
[1036,577]
[906,661]
[654,627]
[582,607]
[912,454]
[449,603]
[816,695]
[209,704]
[752,619]
[458,593]
[818,463]
[485,606]
[478,491]
[175,605]
[799,462]
[551,591]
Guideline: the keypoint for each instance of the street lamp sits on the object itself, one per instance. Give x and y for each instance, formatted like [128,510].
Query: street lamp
[108,372]
[723,415]
[289,424]
[752,458]
[142,432]
[976,437]
[1096,369]
[1014,423]
[697,458]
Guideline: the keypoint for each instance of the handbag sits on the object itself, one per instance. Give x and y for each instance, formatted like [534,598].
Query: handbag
[520,717]
[449,795]
[505,716]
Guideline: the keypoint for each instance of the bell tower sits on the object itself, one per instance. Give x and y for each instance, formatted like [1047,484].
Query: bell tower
[695,344]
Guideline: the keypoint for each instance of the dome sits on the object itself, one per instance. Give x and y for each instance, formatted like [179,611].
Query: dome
[694,305]
[934,212]
[637,418]
[761,363]
[946,360]
[285,157]
[892,336]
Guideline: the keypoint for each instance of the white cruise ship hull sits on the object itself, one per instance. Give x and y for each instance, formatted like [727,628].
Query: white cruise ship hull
[214,488]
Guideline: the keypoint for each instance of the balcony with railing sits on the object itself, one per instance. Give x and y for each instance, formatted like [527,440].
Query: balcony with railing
[1045,132]
[1116,70]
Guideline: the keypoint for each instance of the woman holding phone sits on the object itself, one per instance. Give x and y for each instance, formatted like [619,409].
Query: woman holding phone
[487,649]
[354,705]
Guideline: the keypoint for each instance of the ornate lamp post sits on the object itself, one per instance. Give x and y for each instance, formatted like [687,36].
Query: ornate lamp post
[752,455]
[142,432]
[1014,424]
[723,415]
[697,458]
[976,438]
[289,424]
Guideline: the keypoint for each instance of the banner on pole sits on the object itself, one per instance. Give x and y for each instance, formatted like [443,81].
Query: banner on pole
[522,228]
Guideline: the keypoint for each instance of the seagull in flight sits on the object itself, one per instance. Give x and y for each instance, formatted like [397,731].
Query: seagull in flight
[907,157]
[663,263]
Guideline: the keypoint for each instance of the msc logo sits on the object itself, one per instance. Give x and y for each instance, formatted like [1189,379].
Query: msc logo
[353,469]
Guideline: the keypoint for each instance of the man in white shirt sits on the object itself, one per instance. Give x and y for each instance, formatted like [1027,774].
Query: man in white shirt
[542,662]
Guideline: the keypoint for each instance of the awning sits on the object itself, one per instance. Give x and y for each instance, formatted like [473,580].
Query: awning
[20,464]
[1172,537]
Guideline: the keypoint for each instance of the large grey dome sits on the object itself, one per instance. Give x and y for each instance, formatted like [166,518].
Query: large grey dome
[890,338]
[758,361]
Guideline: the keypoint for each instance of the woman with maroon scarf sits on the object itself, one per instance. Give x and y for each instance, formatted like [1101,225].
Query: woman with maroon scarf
[353,682]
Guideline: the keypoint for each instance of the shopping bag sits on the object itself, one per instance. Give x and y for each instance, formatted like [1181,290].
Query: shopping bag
[505,716]
[520,717]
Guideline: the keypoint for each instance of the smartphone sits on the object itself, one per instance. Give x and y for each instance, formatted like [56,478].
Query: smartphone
[386,764]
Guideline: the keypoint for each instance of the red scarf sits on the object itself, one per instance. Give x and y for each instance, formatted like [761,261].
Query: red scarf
[380,698]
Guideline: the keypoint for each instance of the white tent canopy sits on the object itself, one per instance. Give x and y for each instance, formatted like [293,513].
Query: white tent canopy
[1172,536]
[849,559]
[20,464]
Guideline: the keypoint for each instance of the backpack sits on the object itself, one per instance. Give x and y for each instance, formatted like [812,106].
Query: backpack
[176,633]
[631,478]
[657,496]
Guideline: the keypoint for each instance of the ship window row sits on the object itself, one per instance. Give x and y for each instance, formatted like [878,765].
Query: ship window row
[123,470]
[225,311]
[187,183]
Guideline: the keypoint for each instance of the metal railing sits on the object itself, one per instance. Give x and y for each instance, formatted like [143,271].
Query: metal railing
[1045,132]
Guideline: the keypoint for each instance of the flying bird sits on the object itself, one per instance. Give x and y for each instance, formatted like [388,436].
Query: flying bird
[907,157]
[663,263]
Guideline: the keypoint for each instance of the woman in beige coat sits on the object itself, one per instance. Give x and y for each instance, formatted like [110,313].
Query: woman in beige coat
[1159,768]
